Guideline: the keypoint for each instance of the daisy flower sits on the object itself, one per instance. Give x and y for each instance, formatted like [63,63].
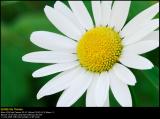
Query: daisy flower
[94,57]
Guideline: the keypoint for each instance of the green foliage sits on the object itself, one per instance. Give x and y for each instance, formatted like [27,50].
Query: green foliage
[18,88]
[146,91]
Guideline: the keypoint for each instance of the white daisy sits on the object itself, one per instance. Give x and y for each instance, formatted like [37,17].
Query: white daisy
[94,58]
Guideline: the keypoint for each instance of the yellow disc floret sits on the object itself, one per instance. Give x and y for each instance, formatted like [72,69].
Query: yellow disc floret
[99,49]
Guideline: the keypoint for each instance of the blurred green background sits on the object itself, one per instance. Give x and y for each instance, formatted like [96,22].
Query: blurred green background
[19,89]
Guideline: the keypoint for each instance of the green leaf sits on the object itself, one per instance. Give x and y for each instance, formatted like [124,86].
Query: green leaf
[153,76]
[137,7]
[146,90]
[9,2]
[81,101]
[153,56]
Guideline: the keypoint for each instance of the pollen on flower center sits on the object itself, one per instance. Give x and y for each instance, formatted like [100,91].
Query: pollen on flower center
[99,49]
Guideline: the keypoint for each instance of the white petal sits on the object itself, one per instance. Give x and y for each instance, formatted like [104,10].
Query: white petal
[52,41]
[82,14]
[120,91]
[135,61]
[58,83]
[141,33]
[124,74]
[140,20]
[152,36]
[119,14]
[51,69]
[96,8]
[102,89]
[142,46]
[76,90]
[62,23]
[49,57]
[106,11]
[107,103]
[90,95]
[60,6]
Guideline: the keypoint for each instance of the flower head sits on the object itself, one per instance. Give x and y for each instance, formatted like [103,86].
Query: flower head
[94,57]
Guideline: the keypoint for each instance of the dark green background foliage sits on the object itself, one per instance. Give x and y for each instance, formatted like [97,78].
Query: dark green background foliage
[18,88]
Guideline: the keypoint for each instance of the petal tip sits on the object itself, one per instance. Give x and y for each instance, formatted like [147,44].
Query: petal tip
[47,9]
[150,66]
[24,58]
[32,37]
[57,3]
[129,104]
[134,84]
[34,75]
[39,96]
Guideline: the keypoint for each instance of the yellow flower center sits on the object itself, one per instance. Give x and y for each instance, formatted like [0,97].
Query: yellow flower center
[99,49]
